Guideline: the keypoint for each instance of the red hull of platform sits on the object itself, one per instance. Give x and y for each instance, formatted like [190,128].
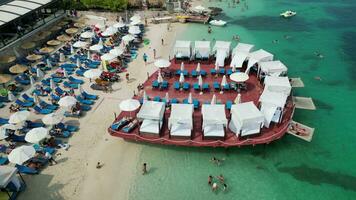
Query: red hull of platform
[254,90]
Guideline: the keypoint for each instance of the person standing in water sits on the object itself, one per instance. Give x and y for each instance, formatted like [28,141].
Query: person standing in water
[209,29]
[144,168]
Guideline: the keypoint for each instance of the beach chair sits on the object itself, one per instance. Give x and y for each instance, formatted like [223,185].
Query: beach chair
[22,81]
[129,127]
[228,104]
[70,128]
[155,84]
[84,101]
[45,82]
[205,86]
[55,97]
[75,80]
[216,85]
[42,111]
[194,73]
[27,98]
[3,121]
[157,98]
[203,72]
[212,71]
[174,100]
[196,103]
[176,85]
[70,85]
[164,85]
[122,122]
[186,86]
[24,104]
[89,96]
[222,71]
[48,106]
[18,138]
[31,124]
[177,73]
[3,160]
[85,107]
[40,149]
[229,72]
[59,91]
[26,170]
[196,86]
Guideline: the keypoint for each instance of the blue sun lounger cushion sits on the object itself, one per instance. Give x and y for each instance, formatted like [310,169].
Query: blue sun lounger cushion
[26,170]
[194,73]
[229,72]
[117,125]
[205,86]
[196,86]
[155,84]
[203,72]
[89,96]
[212,71]
[227,87]
[222,71]
[228,104]
[128,128]
[174,100]
[85,101]
[196,103]
[216,85]
[176,85]
[164,85]
[3,160]
[42,111]
[186,86]
[24,104]
[157,98]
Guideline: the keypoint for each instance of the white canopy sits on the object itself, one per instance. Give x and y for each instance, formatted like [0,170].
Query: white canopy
[258,56]
[243,47]
[272,104]
[273,68]
[182,49]
[238,59]
[278,84]
[181,120]
[134,30]
[151,110]
[222,51]
[214,120]
[202,49]
[246,119]
[275,98]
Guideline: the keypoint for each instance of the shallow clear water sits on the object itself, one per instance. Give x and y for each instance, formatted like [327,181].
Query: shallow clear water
[288,168]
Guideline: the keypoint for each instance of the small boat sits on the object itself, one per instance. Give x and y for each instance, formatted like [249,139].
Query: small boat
[288,14]
[217,22]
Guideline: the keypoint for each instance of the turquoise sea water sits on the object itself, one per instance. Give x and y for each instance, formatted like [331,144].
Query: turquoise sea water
[288,168]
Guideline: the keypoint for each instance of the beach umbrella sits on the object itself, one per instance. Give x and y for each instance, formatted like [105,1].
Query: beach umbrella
[136,22]
[107,57]
[67,101]
[92,73]
[88,55]
[72,50]
[21,154]
[190,98]
[128,38]
[167,97]
[36,99]
[46,50]
[135,18]
[100,42]
[33,57]
[4,78]
[13,126]
[28,45]
[78,62]
[3,133]
[200,81]
[53,118]
[223,81]
[39,73]
[96,47]
[198,68]
[182,66]
[49,64]
[65,73]
[239,77]
[7,59]
[162,63]
[159,77]
[35,135]
[216,67]
[233,68]
[19,116]
[64,38]
[129,105]
[213,100]
[62,57]
[87,35]
[145,97]
[119,25]
[18,69]
[11,96]
[238,99]
[134,30]
[116,51]
[80,44]
[52,85]
[71,30]
[32,81]
[181,78]
[53,42]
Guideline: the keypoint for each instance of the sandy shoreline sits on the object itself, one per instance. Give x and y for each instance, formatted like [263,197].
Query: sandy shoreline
[75,176]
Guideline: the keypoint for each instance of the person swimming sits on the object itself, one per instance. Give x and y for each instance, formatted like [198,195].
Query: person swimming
[209,29]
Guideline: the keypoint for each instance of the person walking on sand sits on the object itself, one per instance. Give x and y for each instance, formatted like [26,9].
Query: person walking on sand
[127,77]
[144,168]
[154,53]
[162,41]
[145,57]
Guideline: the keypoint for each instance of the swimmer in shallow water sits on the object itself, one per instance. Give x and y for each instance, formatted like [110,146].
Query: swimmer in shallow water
[318,78]
[318,54]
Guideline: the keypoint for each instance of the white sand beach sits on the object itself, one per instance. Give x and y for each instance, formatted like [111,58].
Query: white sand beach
[76,176]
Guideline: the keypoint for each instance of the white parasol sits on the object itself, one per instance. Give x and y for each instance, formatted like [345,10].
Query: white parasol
[52,85]
[239,77]
[117,51]
[19,116]
[80,44]
[159,77]
[67,101]
[87,35]
[167,97]
[35,135]
[21,154]
[65,73]
[162,63]
[238,99]
[96,47]
[78,62]
[52,119]
[190,98]
[92,73]
[129,105]
[181,78]
[49,64]
[108,56]
[200,81]
[32,81]
[198,68]
[182,66]
[213,100]
[223,81]
[128,38]
[71,50]
[119,25]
